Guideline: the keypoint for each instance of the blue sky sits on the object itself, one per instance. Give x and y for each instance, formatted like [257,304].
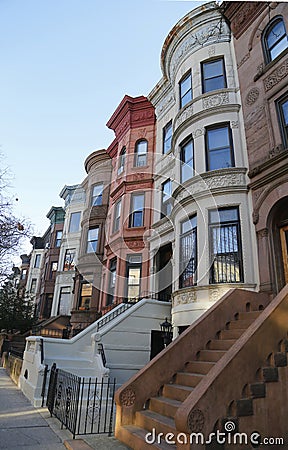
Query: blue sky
[66,65]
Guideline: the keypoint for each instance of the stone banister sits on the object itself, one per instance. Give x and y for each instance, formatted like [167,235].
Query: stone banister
[223,383]
[133,395]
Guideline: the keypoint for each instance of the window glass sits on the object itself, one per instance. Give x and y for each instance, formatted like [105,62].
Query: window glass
[37,261]
[92,240]
[117,216]
[69,260]
[213,75]
[133,279]
[187,160]
[166,198]
[74,225]
[137,214]
[275,40]
[122,159]
[188,253]
[58,238]
[225,247]
[64,301]
[97,195]
[185,90]
[141,153]
[85,295]
[219,148]
[167,137]
[112,281]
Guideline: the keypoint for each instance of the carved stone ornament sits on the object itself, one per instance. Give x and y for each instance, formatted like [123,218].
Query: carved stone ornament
[246,10]
[164,104]
[219,181]
[276,76]
[199,132]
[211,50]
[196,421]
[234,124]
[252,96]
[185,298]
[215,100]
[213,33]
[128,397]
[188,112]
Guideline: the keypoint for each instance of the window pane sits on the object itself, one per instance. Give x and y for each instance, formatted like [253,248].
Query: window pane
[141,147]
[188,253]
[213,69]
[220,159]
[167,137]
[69,260]
[138,202]
[92,240]
[277,32]
[137,219]
[285,111]
[74,222]
[223,215]
[185,84]
[37,261]
[97,195]
[189,224]
[186,98]
[279,48]
[214,83]
[58,238]
[218,138]
[224,246]
[93,234]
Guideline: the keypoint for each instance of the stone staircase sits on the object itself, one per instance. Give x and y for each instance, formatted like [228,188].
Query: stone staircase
[160,411]
[230,365]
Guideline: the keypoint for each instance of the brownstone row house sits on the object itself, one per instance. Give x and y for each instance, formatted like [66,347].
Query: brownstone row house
[261,49]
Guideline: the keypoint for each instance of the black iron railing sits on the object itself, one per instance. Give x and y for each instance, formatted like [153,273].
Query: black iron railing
[17,352]
[112,314]
[82,405]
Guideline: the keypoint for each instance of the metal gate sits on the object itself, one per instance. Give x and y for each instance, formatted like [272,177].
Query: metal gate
[83,405]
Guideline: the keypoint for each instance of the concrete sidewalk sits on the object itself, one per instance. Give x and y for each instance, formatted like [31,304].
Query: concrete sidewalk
[23,426]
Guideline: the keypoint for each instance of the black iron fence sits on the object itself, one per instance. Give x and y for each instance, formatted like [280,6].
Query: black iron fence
[83,405]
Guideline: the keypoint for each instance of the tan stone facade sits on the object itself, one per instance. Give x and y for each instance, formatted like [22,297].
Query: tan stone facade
[260,40]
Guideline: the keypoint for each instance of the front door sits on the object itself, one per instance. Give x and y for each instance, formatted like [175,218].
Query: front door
[284,246]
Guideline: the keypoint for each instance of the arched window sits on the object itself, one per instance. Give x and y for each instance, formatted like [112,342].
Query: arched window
[122,158]
[141,153]
[274,39]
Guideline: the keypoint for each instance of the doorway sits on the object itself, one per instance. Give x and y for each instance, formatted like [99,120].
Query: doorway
[284,248]
[164,272]
[278,237]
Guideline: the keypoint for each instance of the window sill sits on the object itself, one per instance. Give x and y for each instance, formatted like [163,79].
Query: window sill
[265,67]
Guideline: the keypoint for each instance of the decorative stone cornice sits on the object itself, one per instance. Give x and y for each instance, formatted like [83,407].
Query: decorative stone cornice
[276,76]
[96,159]
[242,14]
[211,181]
[215,100]
[201,27]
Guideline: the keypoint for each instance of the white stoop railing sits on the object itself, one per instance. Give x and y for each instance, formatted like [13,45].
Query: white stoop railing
[124,333]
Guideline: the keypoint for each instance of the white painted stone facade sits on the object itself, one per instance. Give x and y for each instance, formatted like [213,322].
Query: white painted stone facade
[201,36]
[126,339]
[74,197]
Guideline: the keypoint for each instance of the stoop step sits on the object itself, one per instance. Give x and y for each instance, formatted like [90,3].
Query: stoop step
[150,420]
[138,438]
